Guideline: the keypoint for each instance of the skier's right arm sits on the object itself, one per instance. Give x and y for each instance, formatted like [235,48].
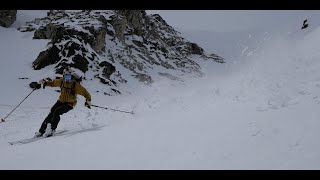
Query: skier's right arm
[54,83]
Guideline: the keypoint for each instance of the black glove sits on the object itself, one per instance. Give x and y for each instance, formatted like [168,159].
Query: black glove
[88,104]
[35,85]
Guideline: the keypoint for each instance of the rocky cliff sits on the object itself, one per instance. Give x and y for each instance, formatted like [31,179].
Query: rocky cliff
[109,42]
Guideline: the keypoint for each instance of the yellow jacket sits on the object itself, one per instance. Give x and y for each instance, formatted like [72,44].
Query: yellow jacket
[66,94]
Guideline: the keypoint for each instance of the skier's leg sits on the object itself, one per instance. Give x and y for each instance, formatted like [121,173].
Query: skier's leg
[49,117]
[56,115]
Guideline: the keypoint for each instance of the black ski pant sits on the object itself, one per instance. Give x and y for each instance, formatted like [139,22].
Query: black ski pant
[53,117]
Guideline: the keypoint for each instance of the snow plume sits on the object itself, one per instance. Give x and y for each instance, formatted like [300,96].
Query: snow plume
[274,99]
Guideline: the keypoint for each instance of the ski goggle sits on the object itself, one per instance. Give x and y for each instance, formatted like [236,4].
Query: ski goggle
[67,77]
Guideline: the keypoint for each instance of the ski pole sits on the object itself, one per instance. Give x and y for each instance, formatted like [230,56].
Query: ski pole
[3,120]
[113,109]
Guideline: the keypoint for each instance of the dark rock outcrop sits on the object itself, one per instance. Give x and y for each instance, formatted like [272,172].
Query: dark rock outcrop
[108,69]
[45,58]
[7,17]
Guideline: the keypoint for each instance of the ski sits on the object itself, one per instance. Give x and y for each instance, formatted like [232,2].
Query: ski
[57,133]
[29,140]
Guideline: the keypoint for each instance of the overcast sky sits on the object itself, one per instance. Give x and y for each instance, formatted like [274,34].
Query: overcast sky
[231,20]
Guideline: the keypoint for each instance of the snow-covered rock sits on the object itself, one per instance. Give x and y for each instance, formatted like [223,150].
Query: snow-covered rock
[138,42]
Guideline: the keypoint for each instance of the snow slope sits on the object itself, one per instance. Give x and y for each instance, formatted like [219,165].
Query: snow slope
[259,111]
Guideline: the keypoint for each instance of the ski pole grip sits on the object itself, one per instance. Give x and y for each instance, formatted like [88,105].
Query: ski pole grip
[44,84]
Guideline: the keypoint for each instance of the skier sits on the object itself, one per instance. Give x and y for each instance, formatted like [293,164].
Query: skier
[70,87]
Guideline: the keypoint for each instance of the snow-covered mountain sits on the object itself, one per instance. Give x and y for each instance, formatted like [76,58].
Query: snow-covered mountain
[104,45]
[259,110]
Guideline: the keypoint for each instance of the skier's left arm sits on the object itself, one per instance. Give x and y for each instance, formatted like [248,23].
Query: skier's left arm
[83,92]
